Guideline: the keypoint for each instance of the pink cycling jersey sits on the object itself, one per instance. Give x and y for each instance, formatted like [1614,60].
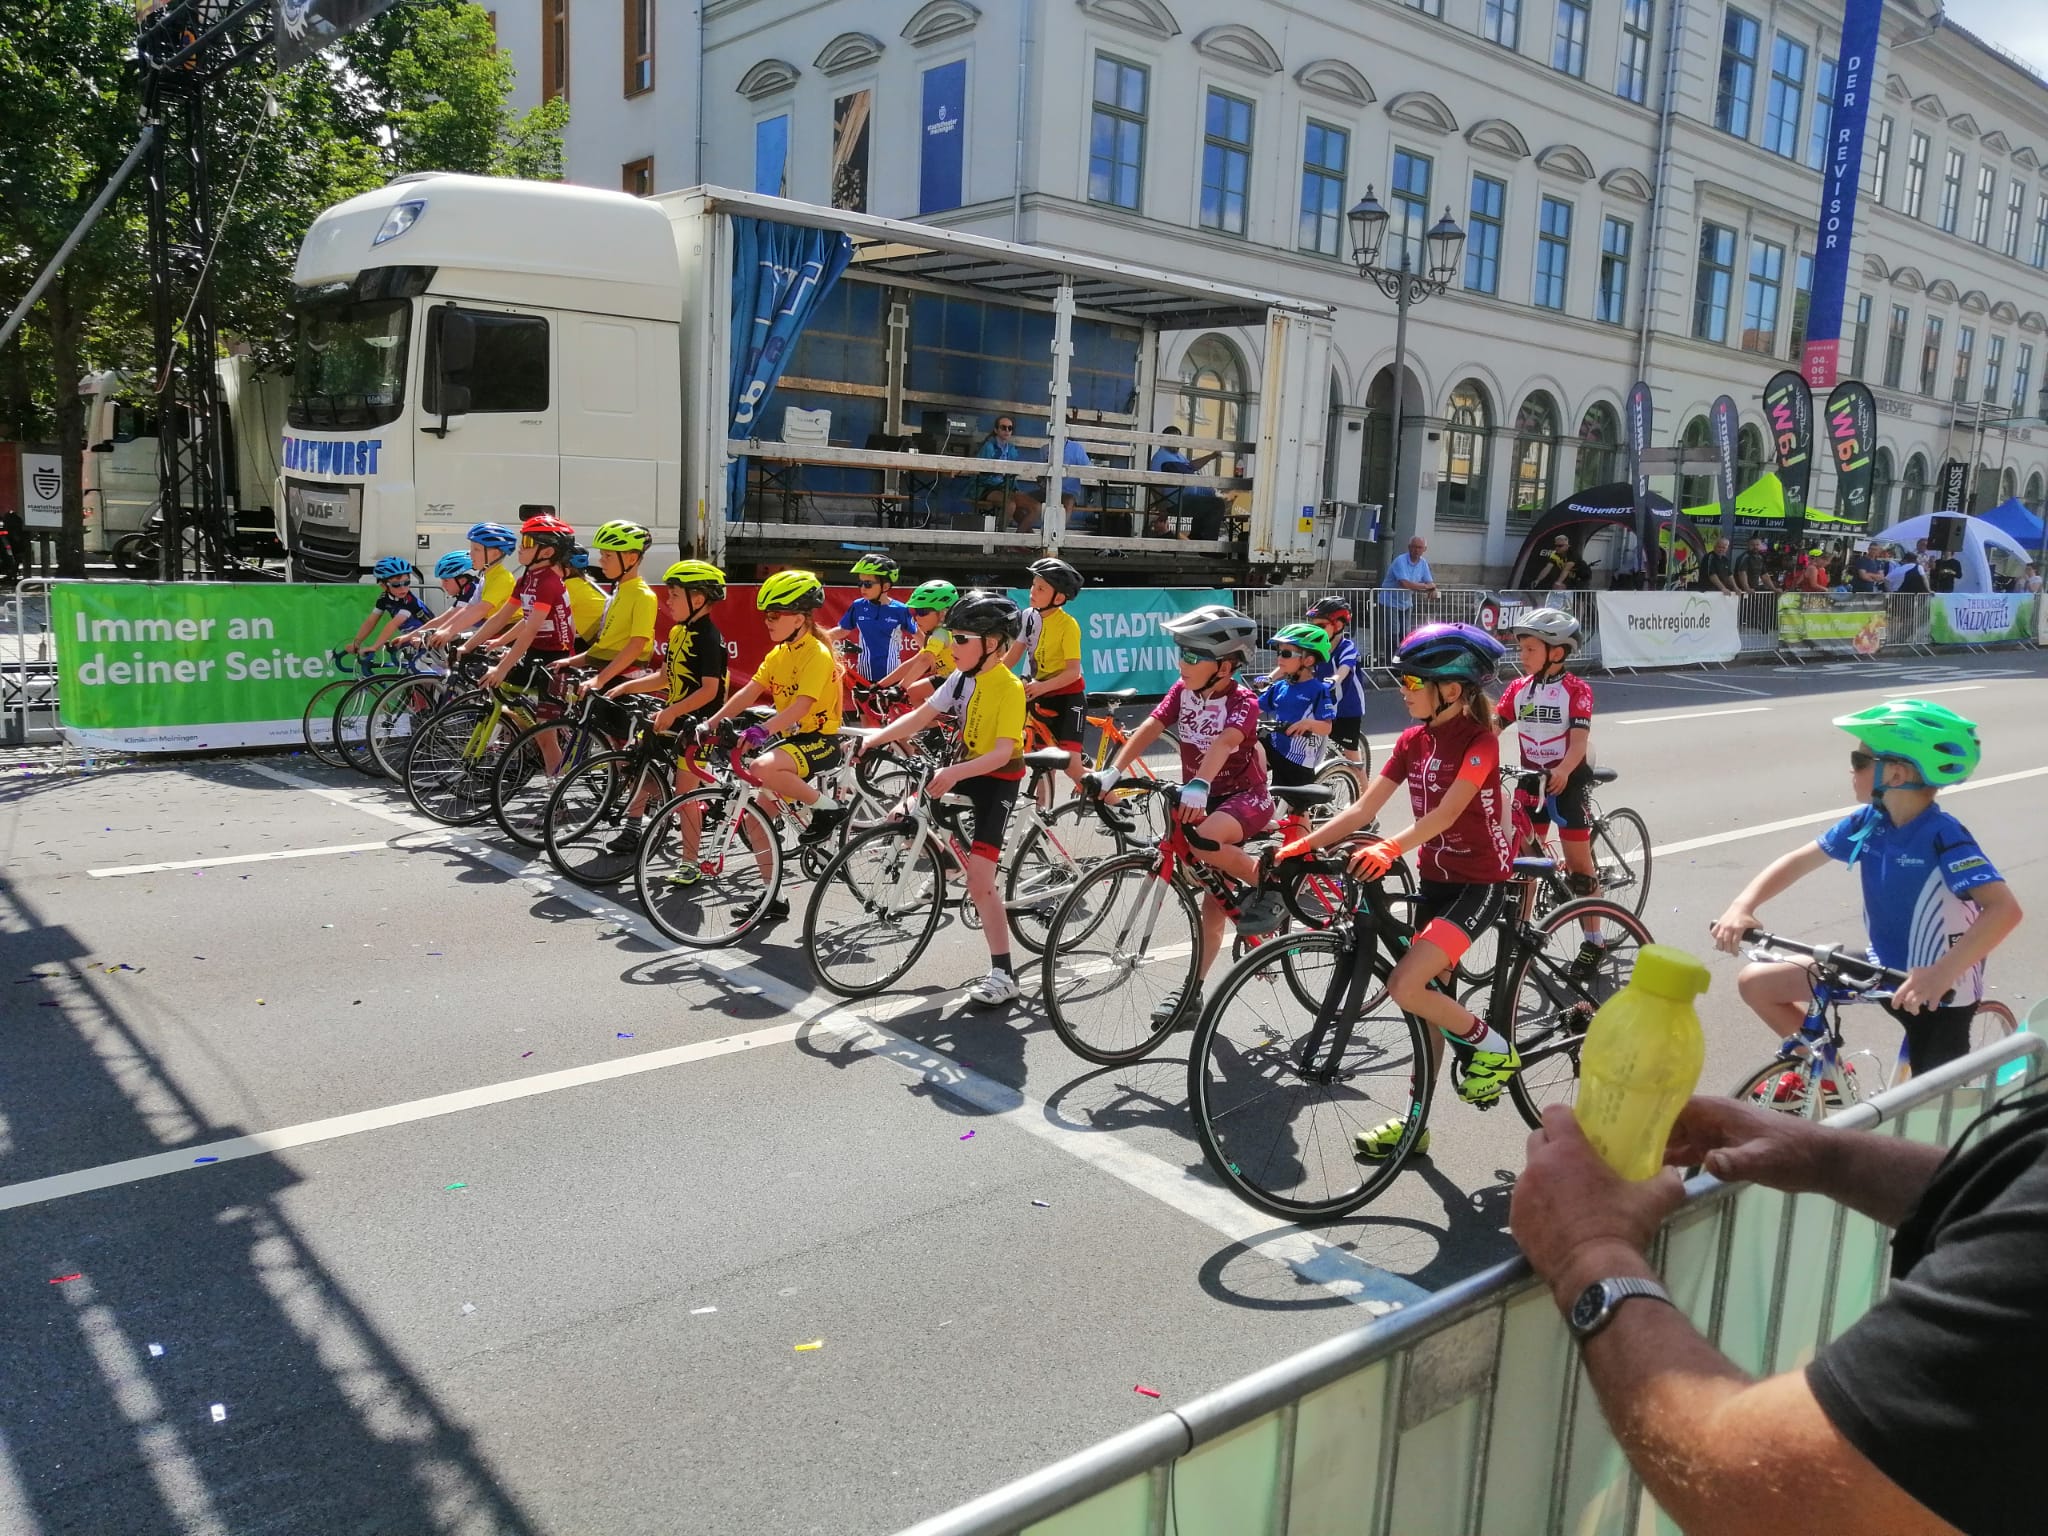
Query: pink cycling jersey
[1197,723]
[1547,714]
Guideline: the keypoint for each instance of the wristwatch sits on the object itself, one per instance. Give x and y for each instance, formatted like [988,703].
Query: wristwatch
[1597,1302]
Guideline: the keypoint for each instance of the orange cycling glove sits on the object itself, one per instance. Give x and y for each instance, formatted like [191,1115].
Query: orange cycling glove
[1375,858]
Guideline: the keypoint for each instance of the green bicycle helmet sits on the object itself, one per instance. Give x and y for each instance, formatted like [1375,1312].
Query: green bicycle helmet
[696,573]
[935,595]
[790,592]
[1307,637]
[621,537]
[1940,744]
[883,567]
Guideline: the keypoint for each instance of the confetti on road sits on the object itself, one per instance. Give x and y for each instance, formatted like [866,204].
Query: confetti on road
[220,1413]
[60,1279]
[205,1159]
[701,1311]
[458,1184]
[1145,1391]
[624,1036]
[1043,1204]
[814,1344]
[524,1054]
[468,1307]
[968,1137]
[156,1350]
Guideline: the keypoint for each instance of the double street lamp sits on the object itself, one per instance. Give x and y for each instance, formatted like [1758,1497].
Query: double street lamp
[1406,287]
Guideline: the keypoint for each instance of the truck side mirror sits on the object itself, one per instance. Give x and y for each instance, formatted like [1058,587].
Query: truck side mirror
[454,400]
[454,351]
[105,447]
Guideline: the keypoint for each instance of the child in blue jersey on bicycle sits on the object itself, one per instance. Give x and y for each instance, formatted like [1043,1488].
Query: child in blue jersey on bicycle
[875,622]
[397,604]
[1933,903]
[1300,704]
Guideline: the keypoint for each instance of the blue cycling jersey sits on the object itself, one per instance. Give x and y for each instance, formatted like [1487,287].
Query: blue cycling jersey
[409,608]
[1291,700]
[1916,884]
[1349,694]
[877,625]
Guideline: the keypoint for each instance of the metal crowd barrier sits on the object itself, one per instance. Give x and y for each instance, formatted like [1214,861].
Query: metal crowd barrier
[1470,1413]
[28,666]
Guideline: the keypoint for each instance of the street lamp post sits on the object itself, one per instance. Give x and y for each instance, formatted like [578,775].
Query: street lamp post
[1406,287]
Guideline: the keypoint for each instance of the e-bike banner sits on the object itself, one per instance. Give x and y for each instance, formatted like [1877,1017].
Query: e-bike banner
[1667,629]
[1852,434]
[1788,404]
[1724,425]
[1841,174]
[1980,618]
[188,666]
[1832,623]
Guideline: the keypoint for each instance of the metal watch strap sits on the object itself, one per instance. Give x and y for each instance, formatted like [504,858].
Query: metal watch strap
[1610,1294]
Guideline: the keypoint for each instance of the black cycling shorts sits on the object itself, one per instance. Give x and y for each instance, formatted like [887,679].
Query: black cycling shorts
[1347,731]
[1574,809]
[1451,914]
[814,752]
[1937,1036]
[1284,770]
[991,799]
[1065,715]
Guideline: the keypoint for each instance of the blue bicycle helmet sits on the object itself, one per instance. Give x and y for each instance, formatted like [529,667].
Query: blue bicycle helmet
[494,536]
[1440,651]
[454,564]
[579,558]
[391,566]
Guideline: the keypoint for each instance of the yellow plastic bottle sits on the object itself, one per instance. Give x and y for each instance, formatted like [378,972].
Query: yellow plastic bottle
[1641,1061]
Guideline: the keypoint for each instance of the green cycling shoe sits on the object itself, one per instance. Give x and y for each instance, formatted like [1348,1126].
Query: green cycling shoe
[1488,1073]
[1379,1143]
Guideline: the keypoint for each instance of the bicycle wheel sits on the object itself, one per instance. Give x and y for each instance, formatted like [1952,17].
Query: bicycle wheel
[1991,1023]
[1119,949]
[584,827]
[448,772]
[1345,780]
[1621,858]
[1047,863]
[1587,954]
[1143,811]
[317,723]
[395,719]
[1801,1085]
[1279,1091]
[708,867]
[531,770]
[352,725]
[874,909]
[886,777]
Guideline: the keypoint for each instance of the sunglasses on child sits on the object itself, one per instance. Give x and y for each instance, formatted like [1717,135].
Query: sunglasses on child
[1410,682]
[1858,761]
[1287,655]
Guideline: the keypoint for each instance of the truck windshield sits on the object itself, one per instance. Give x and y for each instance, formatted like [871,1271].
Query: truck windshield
[349,365]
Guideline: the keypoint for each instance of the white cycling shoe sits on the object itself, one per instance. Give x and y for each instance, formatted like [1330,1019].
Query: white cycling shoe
[994,989]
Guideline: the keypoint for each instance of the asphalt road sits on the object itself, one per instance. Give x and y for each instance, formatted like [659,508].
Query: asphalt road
[384,1186]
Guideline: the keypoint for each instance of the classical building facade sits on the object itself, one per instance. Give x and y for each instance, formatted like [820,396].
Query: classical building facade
[1637,179]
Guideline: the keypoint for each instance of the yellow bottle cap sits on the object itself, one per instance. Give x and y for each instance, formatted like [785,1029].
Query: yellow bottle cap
[1669,972]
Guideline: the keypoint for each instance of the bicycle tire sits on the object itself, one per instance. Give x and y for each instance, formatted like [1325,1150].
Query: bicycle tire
[395,719]
[1046,864]
[352,724]
[1137,804]
[1345,780]
[1103,1002]
[448,772]
[586,813]
[1282,1139]
[1625,852]
[522,786]
[874,893]
[316,724]
[728,898]
[1546,1002]
[1766,1088]
[1991,1022]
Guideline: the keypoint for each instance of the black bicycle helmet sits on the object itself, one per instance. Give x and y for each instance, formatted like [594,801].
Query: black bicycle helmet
[982,612]
[1331,608]
[1443,651]
[1058,575]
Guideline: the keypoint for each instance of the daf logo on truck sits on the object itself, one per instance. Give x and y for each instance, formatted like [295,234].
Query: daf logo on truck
[312,456]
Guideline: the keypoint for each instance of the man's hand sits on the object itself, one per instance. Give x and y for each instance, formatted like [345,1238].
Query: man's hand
[1729,928]
[1569,1205]
[1925,987]
[1741,1143]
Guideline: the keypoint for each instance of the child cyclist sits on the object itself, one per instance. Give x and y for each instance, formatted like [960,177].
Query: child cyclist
[457,576]
[1341,670]
[489,544]
[1223,796]
[624,632]
[397,603]
[586,597]
[1934,906]
[932,662]
[694,678]
[535,627]
[1450,759]
[1050,645]
[1299,702]
[989,701]
[875,619]
[799,675]
[1552,711]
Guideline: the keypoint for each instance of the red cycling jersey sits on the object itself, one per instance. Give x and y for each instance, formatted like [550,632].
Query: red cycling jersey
[556,636]
[1547,714]
[1473,850]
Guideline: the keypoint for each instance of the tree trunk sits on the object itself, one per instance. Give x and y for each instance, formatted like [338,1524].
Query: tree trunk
[66,327]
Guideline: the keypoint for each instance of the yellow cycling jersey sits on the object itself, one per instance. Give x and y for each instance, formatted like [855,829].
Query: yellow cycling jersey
[938,646]
[803,668]
[1059,644]
[629,613]
[586,607]
[995,712]
[496,591]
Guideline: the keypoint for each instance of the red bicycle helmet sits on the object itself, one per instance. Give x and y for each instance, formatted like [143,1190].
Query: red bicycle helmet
[546,522]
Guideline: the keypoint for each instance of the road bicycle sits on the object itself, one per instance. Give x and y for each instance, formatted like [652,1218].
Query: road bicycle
[589,832]
[876,905]
[536,761]
[402,705]
[1344,779]
[1811,1074]
[1300,1048]
[455,755]
[316,722]
[353,715]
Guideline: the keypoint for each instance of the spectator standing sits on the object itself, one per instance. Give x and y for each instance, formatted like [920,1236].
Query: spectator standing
[1407,574]
[1557,568]
[1717,570]
[1866,569]
[1946,573]
[2031,582]
[1752,573]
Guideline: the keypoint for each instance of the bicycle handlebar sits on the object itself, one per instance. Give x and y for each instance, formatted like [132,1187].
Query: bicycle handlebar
[1833,964]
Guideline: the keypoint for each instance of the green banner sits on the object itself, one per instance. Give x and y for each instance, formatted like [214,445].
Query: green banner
[180,666]
[1121,643]
[1980,618]
[1823,623]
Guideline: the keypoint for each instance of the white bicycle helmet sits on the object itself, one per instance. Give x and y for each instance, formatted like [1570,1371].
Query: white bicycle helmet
[1553,626]
[1214,632]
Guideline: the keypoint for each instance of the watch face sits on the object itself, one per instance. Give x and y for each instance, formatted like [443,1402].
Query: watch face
[1586,1310]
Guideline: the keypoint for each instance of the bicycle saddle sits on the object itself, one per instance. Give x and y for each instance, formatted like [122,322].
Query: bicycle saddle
[1301,796]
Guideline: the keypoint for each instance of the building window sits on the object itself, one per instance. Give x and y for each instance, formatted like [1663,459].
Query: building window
[1913,489]
[2022,379]
[1786,98]
[771,155]
[637,176]
[1715,284]
[1226,162]
[1535,458]
[639,35]
[1859,348]
[1116,133]
[1916,174]
[1461,465]
[2040,256]
[1951,191]
[1615,239]
[1930,356]
[1568,48]
[1500,21]
[1599,448]
[1895,347]
[2037,490]
[1212,395]
[1882,484]
[1632,71]
[1980,216]
[1802,303]
[1737,87]
[1553,252]
[1966,347]
[1410,196]
[1695,490]
[1427,7]
[554,49]
[1823,115]
[1881,163]
[1325,158]
[1760,296]
[1482,243]
[1994,365]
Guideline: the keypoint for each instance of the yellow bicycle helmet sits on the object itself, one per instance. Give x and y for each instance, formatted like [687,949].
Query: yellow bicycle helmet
[701,574]
[790,592]
[621,537]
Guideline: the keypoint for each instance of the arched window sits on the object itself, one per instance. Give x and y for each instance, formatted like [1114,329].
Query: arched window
[1212,396]
[1599,448]
[1696,490]
[2008,485]
[1535,460]
[1883,481]
[2036,491]
[1749,455]
[1913,489]
[1466,445]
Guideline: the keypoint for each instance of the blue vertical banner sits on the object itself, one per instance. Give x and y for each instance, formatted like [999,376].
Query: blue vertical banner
[942,138]
[1841,178]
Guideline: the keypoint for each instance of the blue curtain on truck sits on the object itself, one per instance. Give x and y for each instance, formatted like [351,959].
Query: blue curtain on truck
[779,273]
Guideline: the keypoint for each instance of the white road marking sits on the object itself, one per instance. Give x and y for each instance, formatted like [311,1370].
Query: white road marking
[1922,693]
[241,858]
[1683,683]
[1702,714]
[1767,828]
[1193,1194]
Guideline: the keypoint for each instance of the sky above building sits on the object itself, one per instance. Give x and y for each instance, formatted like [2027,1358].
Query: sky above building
[2018,26]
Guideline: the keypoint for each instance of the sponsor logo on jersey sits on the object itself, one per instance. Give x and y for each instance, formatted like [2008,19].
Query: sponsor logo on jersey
[1975,861]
